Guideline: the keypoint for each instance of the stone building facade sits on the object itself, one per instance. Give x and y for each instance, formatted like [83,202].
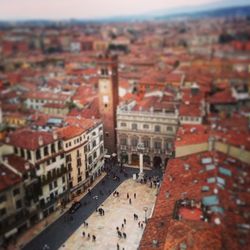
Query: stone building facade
[156,129]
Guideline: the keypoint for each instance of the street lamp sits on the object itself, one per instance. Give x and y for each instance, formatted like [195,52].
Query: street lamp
[95,198]
[145,210]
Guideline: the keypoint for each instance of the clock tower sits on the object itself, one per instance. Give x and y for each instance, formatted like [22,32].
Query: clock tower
[108,98]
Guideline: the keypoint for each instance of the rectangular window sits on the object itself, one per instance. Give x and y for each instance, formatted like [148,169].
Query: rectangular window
[68,158]
[170,129]
[3,198]
[2,211]
[145,126]
[53,148]
[123,141]
[157,145]
[123,124]
[16,191]
[29,155]
[94,155]
[63,179]
[134,142]
[50,186]
[157,128]
[134,126]
[45,150]
[90,160]
[101,149]
[38,155]
[146,143]
[18,204]
[79,162]
[55,184]
[59,145]
[79,178]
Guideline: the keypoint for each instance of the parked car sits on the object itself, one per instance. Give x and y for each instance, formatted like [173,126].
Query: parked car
[74,207]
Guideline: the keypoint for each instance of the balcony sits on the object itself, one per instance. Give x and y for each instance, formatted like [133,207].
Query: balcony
[47,179]
[123,147]
[157,151]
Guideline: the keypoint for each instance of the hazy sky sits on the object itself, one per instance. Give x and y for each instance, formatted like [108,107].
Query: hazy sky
[58,9]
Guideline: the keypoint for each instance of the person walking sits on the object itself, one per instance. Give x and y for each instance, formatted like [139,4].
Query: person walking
[122,225]
[124,235]
[117,246]
[127,195]
[130,201]
[134,195]
[83,234]
[88,236]
[93,237]
[125,221]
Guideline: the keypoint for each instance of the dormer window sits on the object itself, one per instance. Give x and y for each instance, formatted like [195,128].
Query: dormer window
[104,72]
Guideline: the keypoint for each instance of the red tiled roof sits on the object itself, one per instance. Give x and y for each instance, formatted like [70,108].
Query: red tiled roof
[191,134]
[18,163]
[180,182]
[222,97]
[8,178]
[28,139]
[70,132]
[191,110]
[46,96]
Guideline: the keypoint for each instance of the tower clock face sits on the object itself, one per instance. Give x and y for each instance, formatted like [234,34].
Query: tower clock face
[105,99]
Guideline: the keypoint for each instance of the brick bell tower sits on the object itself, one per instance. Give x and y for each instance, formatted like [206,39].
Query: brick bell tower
[108,98]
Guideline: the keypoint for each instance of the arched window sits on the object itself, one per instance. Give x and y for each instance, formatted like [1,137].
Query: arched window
[134,141]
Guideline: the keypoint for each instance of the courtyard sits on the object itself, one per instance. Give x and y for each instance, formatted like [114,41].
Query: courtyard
[116,208]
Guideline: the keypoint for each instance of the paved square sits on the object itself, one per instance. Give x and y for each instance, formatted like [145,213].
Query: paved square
[116,209]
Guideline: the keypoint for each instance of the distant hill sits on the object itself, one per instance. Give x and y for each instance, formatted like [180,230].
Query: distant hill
[224,12]
[216,9]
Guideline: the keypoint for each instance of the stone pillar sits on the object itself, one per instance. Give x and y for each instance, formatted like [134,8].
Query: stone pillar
[141,163]
[141,173]
[129,158]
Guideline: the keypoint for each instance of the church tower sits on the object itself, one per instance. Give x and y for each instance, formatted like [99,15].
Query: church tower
[108,98]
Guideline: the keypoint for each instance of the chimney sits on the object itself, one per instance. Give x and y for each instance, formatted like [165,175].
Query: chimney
[7,139]
[5,159]
[27,166]
[211,142]
[55,136]
[40,140]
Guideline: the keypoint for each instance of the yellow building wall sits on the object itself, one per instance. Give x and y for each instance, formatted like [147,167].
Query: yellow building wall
[191,149]
[238,153]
